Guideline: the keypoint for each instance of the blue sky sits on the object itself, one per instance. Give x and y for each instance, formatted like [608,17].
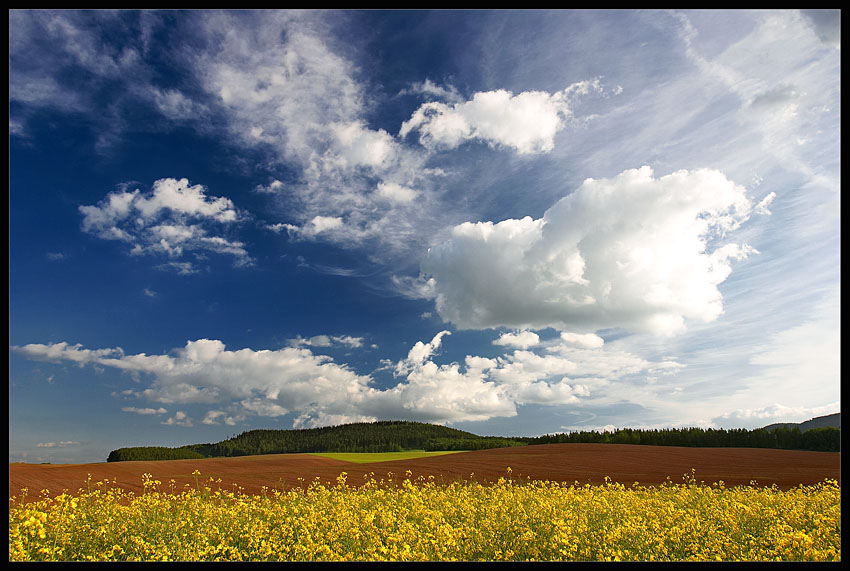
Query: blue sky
[509,222]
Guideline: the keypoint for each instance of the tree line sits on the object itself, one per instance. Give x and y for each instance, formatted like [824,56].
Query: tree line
[826,439]
[153,453]
[477,443]
[397,436]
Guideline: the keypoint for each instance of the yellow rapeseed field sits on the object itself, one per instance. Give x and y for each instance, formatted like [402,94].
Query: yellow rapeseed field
[400,519]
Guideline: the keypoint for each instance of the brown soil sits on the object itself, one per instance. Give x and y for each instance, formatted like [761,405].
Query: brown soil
[582,463]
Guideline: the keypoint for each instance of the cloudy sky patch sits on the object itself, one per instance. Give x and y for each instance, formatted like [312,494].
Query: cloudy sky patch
[510,222]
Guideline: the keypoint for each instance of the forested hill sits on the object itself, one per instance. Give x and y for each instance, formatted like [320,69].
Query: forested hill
[822,439]
[382,436]
[833,420]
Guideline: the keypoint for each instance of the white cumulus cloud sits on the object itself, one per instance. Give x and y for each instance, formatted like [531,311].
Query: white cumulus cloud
[586,340]
[526,122]
[172,219]
[521,339]
[634,251]
[316,391]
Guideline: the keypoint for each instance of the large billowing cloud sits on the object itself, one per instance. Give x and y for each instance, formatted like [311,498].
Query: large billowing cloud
[265,383]
[634,251]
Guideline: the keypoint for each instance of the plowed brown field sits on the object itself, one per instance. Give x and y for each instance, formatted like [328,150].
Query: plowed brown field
[584,463]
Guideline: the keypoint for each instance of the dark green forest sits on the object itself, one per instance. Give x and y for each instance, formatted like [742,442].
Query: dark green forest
[396,436]
[153,453]
[826,439]
[476,443]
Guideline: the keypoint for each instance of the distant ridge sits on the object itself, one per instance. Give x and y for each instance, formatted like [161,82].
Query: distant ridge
[817,422]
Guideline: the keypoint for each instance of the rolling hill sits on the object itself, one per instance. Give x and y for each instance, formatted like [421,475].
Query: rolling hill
[833,420]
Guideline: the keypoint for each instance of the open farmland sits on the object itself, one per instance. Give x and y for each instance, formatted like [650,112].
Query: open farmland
[496,504]
[584,463]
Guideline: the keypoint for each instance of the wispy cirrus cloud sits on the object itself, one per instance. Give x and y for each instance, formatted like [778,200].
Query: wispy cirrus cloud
[62,444]
[282,89]
[50,50]
[298,99]
[827,25]
[145,410]
[276,82]
[327,341]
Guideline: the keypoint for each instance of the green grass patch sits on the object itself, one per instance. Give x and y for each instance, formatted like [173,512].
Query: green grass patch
[366,457]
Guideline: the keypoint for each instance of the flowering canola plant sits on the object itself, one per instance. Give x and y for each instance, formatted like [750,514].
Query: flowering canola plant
[421,520]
